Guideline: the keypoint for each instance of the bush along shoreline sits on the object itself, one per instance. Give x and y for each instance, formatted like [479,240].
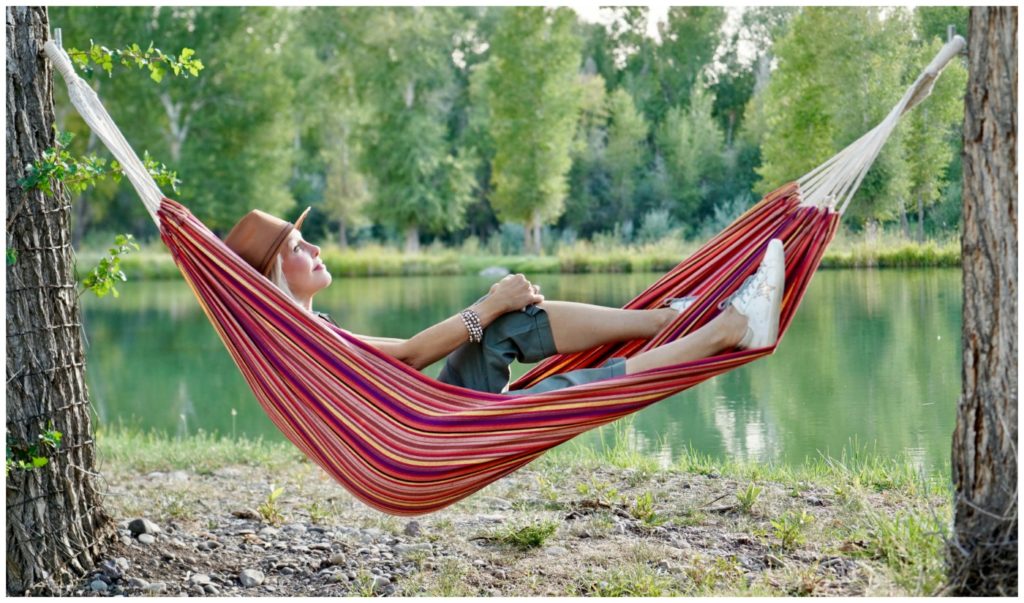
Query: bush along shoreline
[154,263]
[209,515]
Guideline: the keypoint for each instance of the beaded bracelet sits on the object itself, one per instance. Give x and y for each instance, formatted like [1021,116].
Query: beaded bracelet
[472,321]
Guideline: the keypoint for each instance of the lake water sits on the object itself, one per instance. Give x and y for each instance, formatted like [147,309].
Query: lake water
[872,360]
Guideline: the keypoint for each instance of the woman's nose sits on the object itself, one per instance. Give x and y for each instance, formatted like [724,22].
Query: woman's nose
[316,251]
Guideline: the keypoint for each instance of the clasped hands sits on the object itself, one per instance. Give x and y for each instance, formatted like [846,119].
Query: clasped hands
[514,292]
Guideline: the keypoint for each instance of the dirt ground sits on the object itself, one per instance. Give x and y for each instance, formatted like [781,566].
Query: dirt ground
[544,531]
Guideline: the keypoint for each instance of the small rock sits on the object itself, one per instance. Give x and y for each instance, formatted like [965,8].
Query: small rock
[296,528]
[339,577]
[197,590]
[143,526]
[412,528]
[338,559]
[178,476]
[99,586]
[147,538]
[814,500]
[380,584]
[479,562]
[500,574]
[200,579]
[111,570]
[251,577]
[420,547]
[320,546]
[211,589]
[773,561]
[247,513]
[556,551]
[155,587]
[491,518]
[126,540]
[122,564]
[137,582]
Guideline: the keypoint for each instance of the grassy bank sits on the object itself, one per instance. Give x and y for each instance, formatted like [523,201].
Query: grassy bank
[614,522]
[154,262]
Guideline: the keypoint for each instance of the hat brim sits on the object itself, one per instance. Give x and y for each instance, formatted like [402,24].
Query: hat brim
[302,217]
[282,239]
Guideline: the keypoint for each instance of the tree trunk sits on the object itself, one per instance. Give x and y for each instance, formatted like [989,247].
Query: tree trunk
[982,552]
[920,218]
[412,239]
[342,235]
[904,222]
[56,526]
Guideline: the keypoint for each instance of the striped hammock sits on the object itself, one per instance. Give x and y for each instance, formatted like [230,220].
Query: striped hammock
[407,444]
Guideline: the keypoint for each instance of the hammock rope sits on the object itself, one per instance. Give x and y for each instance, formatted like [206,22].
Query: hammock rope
[407,444]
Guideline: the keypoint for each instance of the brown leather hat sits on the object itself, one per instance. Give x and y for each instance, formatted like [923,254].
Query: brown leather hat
[258,236]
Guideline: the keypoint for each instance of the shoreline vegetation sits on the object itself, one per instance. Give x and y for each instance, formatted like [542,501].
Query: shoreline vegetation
[578,521]
[154,263]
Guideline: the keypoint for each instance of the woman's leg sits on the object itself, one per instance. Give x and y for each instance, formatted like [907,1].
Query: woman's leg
[576,327]
[725,331]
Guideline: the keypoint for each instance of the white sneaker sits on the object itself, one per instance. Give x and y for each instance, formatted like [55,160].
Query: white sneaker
[760,298]
[680,304]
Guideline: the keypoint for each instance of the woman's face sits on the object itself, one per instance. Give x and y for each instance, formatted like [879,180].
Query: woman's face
[302,268]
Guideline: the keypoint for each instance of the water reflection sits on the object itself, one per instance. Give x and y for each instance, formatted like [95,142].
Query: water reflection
[872,355]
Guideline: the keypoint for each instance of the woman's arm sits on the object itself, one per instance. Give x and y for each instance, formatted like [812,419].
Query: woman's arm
[426,347]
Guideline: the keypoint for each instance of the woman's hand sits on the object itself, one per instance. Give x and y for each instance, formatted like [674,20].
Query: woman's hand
[514,292]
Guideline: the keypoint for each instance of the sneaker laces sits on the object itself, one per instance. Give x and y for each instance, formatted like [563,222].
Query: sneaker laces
[725,302]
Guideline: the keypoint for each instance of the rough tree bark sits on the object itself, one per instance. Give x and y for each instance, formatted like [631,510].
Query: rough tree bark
[56,527]
[982,552]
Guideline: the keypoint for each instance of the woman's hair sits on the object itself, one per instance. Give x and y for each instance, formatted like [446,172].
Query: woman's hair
[277,276]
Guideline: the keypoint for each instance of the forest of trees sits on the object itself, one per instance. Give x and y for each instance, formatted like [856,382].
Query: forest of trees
[410,125]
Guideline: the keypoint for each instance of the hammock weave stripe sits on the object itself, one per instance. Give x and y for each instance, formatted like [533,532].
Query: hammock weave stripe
[407,444]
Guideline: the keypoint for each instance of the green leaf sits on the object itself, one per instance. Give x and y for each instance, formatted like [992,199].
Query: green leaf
[156,72]
[39,461]
[12,256]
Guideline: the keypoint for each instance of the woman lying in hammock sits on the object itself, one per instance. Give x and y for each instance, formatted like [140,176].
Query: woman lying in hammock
[514,321]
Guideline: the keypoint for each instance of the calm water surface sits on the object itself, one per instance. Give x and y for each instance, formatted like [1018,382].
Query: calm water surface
[872,360]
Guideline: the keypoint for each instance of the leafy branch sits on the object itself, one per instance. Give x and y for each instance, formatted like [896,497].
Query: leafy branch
[102,278]
[78,174]
[152,58]
[32,457]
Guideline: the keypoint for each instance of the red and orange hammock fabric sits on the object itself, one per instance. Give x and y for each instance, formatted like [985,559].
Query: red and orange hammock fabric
[407,444]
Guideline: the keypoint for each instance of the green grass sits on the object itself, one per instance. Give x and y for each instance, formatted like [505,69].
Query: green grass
[529,536]
[153,262]
[143,452]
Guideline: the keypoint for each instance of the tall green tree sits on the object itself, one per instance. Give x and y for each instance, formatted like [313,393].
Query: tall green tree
[405,76]
[229,135]
[532,93]
[930,129]
[326,173]
[689,38]
[840,70]
[692,145]
[627,149]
